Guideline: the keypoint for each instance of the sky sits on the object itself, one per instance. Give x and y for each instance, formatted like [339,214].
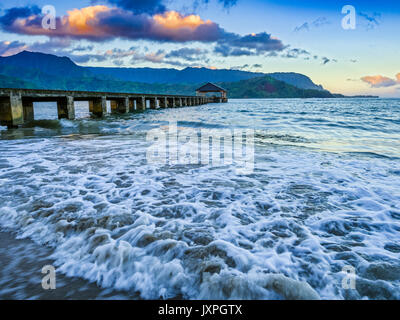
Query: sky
[349,50]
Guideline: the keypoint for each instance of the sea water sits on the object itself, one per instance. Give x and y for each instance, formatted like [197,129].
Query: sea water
[323,196]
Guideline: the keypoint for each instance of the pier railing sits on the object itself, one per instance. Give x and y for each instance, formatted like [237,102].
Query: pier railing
[16,105]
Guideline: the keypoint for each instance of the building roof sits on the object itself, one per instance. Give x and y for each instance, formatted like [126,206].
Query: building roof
[210,87]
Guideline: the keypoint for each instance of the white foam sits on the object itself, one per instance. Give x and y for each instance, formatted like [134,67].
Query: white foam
[202,232]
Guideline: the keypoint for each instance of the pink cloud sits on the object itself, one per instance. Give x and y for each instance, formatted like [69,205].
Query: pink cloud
[100,23]
[379,81]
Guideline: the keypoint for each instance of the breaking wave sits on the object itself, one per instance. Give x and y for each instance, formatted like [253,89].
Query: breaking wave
[286,231]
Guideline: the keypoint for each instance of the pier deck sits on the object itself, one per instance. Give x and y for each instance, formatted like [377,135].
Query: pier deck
[16,105]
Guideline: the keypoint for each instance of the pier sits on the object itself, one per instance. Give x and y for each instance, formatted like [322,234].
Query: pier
[16,105]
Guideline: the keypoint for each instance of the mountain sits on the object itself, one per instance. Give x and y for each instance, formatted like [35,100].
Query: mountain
[296,79]
[199,75]
[65,67]
[12,82]
[187,75]
[261,87]
[46,63]
[45,71]
[268,87]
[145,75]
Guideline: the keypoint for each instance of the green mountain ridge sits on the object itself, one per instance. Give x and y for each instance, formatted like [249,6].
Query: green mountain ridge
[55,65]
[261,87]
[268,87]
[43,71]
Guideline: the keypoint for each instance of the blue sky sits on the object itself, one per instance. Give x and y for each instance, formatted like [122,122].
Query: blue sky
[254,35]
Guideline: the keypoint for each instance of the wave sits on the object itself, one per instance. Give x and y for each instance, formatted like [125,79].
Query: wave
[285,231]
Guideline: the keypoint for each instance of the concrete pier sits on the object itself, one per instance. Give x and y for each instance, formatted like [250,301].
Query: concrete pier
[17,105]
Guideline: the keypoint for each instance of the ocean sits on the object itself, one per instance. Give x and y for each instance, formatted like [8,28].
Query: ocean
[315,216]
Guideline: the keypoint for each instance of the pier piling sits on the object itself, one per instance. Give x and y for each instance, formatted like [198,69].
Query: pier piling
[28,111]
[153,103]
[99,106]
[66,108]
[11,110]
[163,102]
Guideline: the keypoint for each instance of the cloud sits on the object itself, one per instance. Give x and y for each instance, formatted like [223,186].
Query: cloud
[247,66]
[272,54]
[116,56]
[381,81]
[84,58]
[326,60]
[156,6]
[140,6]
[155,57]
[373,20]
[161,57]
[118,63]
[295,53]
[84,48]
[252,44]
[242,67]
[54,44]
[260,42]
[117,53]
[225,3]
[305,26]
[8,48]
[12,14]
[317,23]
[158,57]
[141,20]
[101,23]
[60,47]
[188,54]
[226,50]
